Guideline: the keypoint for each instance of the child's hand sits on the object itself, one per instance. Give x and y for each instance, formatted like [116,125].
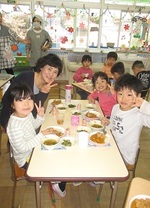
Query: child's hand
[111,88]
[40,110]
[105,121]
[92,101]
[45,132]
[137,100]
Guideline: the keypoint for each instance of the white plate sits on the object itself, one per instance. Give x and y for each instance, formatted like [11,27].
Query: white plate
[106,141]
[76,112]
[67,139]
[49,138]
[59,131]
[141,196]
[98,125]
[61,108]
[83,128]
[90,106]
[96,115]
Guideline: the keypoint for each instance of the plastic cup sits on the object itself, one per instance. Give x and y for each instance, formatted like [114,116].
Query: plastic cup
[60,118]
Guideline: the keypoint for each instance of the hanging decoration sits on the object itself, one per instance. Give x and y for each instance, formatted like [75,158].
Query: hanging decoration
[82,25]
[63,39]
[81,40]
[126,27]
[70,29]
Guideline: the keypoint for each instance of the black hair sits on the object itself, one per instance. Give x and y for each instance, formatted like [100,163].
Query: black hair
[129,81]
[138,64]
[20,91]
[86,58]
[100,74]
[51,60]
[118,68]
[112,54]
[34,19]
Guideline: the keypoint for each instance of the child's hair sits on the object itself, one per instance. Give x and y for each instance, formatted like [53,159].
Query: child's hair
[138,64]
[112,54]
[20,91]
[129,81]
[86,58]
[100,74]
[118,68]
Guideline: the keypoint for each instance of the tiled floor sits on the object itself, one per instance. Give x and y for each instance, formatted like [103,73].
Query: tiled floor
[83,196]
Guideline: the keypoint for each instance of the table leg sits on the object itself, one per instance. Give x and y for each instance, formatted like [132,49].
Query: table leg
[74,92]
[38,194]
[113,195]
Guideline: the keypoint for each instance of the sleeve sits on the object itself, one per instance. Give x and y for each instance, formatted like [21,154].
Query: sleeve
[28,46]
[145,108]
[19,143]
[93,96]
[13,36]
[77,76]
[37,121]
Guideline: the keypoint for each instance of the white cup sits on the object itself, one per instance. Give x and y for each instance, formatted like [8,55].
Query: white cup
[83,138]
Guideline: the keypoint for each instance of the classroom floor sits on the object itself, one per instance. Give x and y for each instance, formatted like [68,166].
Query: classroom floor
[83,196]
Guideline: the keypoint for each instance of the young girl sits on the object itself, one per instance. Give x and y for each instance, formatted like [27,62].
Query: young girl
[22,126]
[104,93]
[84,72]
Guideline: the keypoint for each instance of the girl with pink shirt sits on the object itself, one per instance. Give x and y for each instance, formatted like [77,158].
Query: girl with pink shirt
[104,93]
[84,72]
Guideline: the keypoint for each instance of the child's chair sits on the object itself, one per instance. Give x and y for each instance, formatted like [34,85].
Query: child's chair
[130,169]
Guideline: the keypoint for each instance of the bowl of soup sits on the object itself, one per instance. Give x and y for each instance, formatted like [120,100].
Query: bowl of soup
[50,141]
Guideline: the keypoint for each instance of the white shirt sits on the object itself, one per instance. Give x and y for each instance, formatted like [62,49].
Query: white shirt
[126,128]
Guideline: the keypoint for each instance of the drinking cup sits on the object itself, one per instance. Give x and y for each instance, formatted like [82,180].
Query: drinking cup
[60,118]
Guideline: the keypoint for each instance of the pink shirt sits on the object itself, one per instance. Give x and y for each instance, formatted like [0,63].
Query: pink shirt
[77,76]
[106,101]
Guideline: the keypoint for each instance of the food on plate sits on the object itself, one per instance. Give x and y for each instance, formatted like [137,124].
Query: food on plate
[82,130]
[76,113]
[90,115]
[55,131]
[141,203]
[56,102]
[96,126]
[71,106]
[66,142]
[50,142]
[98,138]
[61,108]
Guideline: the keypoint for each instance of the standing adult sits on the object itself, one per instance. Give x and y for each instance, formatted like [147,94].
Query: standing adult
[40,41]
[7,36]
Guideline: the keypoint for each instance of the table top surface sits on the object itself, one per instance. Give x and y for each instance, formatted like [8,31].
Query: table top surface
[76,163]
[4,78]
[86,86]
[138,186]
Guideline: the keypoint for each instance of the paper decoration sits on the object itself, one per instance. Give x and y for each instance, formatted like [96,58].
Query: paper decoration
[82,25]
[70,29]
[126,27]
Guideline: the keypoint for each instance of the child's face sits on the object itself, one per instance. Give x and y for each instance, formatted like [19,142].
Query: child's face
[111,61]
[125,98]
[23,107]
[101,84]
[86,64]
[115,76]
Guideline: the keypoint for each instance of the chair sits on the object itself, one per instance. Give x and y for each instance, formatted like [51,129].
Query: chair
[19,174]
[131,168]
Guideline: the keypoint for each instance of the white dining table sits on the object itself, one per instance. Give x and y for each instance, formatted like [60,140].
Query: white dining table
[75,163]
[85,86]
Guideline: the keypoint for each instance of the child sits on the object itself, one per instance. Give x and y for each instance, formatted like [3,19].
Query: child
[140,72]
[22,127]
[111,60]
[117,70]
[84,72]
[103,93]
[128,117]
